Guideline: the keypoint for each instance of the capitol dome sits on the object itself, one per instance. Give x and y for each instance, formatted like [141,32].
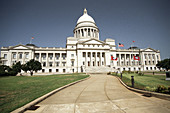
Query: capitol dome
[86,27]
[85,18]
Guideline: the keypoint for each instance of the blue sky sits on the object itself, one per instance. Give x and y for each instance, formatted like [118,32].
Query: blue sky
[50,22]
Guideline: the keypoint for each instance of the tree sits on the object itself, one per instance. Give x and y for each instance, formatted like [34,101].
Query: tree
[10,71]
[164,64]
[31,66]
[17,67]
[4,70]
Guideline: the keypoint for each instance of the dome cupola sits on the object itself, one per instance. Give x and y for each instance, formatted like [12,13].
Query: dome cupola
[86,27]
[85,18]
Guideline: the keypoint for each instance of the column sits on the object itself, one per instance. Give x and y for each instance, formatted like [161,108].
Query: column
[155,61]
[147,59]
[130,60]
[100,58]
[125,63]
[23,58]
[120,60]
[104,59]
[46,59]
[151,59]
[86,59]
[53,59]
[80,33]
[95,58]
[91,59]
[40,57]
[17,56]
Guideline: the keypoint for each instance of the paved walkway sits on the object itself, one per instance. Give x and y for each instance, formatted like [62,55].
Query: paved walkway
[101,94]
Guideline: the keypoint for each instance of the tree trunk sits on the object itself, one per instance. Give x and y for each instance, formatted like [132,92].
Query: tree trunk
[31,73]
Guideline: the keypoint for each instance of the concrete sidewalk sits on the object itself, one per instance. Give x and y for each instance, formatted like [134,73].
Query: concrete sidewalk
[101,94]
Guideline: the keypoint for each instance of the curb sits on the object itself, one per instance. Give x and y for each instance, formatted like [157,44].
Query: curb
[38,100]
[146,93]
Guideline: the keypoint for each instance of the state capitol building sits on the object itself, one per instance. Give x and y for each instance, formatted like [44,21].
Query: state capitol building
[84,53]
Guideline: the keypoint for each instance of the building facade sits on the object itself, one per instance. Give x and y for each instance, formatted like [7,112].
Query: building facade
[83,53]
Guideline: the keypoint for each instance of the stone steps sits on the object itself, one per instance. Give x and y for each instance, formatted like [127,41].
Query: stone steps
[99,69]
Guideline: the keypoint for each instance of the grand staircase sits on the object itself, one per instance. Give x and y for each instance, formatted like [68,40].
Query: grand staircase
[99,69]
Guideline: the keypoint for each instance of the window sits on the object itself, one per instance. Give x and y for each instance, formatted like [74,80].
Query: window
[129,69]
[103,54]
[57,56]
[26,55]
[57,70]
[72,46]
[50,64]
[72,63]
[122,63]
[5,56]
[43,70]
[37,56]
[145,56]
[146,68]
[44,64]
[64,70]
[14,56]
[98,54]
[43,56]
[72,55]
[4,62]
[50,70]
[93,54]
[88,63]
[151,68]
[50,56]
[64,63]
[83,63]
[84,54]
[64,56]
[127,63]
[149,62]
[89,54]
[93,63]
[20,55]
[57,64]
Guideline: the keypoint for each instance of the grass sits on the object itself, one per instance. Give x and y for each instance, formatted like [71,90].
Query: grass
[142,82]
[16,91]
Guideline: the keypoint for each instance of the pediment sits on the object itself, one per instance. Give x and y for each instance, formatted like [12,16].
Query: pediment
[20,47]
[94,41]
[149,50]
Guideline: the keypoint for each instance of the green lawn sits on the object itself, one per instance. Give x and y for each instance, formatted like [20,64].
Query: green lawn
[141,82]
[16,91]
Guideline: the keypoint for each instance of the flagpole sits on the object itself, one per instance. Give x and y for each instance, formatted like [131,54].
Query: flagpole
[30,40]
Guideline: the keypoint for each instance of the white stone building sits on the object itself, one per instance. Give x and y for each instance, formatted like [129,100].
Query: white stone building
[83,53]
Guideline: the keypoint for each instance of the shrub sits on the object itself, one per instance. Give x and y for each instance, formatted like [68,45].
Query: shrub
[161,89]
[127,72]
[150,89]
[12,73]
[140,73]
